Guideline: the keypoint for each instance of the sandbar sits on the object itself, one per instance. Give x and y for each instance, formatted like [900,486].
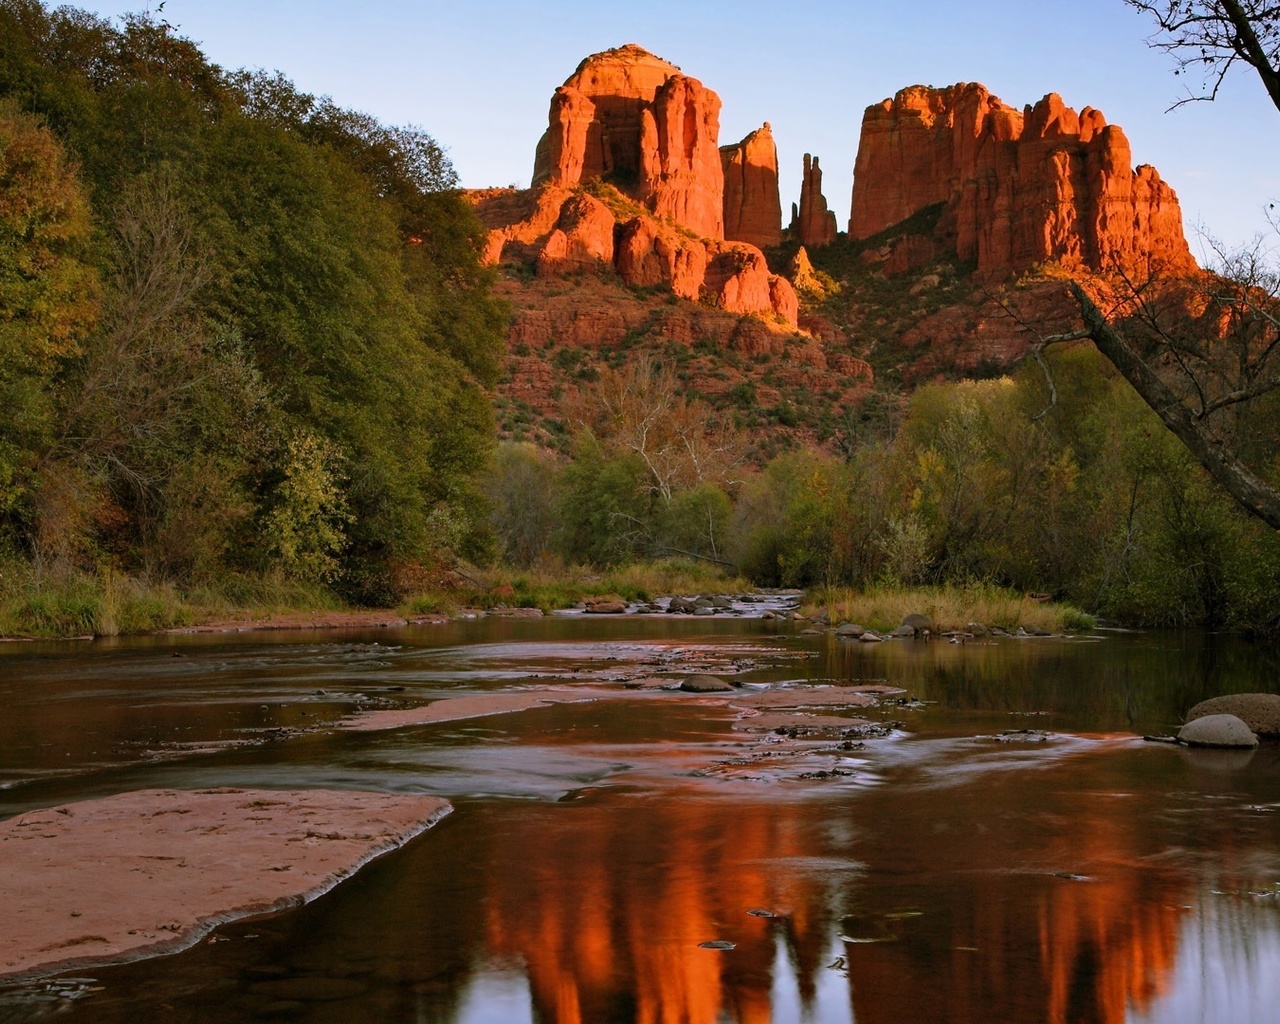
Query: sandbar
[154,871]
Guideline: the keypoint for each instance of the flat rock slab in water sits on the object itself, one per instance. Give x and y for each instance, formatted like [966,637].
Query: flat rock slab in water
[454,709]
[152,872]
[824,697]
[771,721]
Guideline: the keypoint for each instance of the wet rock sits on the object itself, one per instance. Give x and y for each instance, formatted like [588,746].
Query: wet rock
[850,629]
[917,623]
[681,606]
[606,607]
[1259,711]
[870,638]
[1217,731]
[810,632]
[705,684]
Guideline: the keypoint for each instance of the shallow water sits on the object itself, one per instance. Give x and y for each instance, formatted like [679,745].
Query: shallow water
[1011,850]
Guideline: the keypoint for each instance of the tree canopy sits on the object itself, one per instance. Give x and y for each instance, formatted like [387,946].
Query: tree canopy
[291,297]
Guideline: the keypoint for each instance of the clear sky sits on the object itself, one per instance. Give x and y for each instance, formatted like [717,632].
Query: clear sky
[479,74]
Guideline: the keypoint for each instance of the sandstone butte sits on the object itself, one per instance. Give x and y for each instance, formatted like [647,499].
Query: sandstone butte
[635,122]
[812,224]
[752,205]
[1016,187]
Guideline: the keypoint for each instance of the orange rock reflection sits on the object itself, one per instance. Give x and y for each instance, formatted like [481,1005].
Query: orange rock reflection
[1086,929]
[623,929]
[606,912]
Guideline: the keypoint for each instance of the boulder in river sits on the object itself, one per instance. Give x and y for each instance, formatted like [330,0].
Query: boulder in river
[1259,711]
[915,623]
[1217,731]
[702,683]
[850,629]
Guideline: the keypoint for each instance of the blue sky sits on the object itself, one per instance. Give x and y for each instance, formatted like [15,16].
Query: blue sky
[478,75]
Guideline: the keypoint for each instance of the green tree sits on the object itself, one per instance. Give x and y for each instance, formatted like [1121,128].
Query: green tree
[48,292]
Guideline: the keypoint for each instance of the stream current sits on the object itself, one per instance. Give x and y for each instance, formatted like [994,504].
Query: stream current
[1001,845]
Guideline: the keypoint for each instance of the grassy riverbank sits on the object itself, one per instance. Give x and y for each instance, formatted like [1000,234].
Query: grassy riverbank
[38,606]
[950,608]
[32,606]
[550,590]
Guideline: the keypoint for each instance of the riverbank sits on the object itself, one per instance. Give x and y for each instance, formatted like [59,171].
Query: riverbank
[88,607]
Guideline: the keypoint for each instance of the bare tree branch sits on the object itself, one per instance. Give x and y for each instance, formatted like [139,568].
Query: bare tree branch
[1212,36]
[1252,493]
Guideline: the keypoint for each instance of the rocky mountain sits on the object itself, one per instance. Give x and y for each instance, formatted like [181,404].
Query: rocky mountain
[1017,187]
[752,206]
[641,234]
[812,224]
[644,137]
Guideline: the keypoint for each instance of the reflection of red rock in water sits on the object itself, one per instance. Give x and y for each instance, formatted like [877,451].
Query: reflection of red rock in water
[1033,945]
[610,936]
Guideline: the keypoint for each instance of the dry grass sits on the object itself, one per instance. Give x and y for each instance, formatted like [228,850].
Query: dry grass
[950,608]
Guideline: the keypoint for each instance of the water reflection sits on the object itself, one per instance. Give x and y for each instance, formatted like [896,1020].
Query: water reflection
[1082,876]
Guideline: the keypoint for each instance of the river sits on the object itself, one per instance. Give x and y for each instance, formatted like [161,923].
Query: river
[1002,845]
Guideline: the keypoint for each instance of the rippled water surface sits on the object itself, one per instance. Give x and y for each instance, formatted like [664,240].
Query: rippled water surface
[1003,847]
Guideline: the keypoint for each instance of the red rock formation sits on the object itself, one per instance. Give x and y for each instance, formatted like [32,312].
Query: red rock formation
[812,223]
[596,116]
[752,207]
[680,174]
[1017,188]
[650,133]
[582,239]
[635,120]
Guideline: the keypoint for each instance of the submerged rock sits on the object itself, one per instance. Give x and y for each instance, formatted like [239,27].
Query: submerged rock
[1217,731]
[1259,711]
[705,684]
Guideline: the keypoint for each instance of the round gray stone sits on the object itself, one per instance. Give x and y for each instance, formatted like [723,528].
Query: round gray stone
[1217,731]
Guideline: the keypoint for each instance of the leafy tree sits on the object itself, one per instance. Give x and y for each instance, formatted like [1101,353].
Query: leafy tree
[275,267]
[48,292]
[521,488]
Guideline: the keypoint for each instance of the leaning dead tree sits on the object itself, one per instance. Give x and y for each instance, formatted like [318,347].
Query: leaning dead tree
[1188,411]
[1208,369]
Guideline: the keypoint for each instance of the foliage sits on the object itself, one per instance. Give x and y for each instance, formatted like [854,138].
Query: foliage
[47,289]
[273,268]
